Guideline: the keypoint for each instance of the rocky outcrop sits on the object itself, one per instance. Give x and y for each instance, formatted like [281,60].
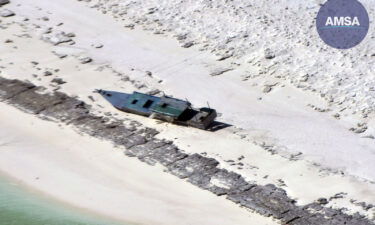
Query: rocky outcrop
[6,13]
[4,2]
[141,142]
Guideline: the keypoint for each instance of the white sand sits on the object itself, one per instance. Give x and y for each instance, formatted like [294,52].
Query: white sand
[281,119]
[282,116]
[92,175]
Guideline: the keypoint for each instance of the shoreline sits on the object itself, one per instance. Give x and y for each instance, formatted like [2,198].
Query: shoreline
[140,142]
[275,118]
[57,210]
[282,140]
[121,188]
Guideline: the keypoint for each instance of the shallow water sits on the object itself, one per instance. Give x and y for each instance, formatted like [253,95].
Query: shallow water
[20,206]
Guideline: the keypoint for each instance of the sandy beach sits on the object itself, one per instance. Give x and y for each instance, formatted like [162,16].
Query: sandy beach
[92,175]
[279,133]
[135,52]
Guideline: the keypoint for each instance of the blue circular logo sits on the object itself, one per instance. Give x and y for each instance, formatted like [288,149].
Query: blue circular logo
[342,24]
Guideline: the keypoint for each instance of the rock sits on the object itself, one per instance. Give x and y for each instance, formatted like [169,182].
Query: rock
[6,13]
[44,18]
[60,55]
[358,130]
[187,44]
[4,2]
[318,109]
[152,10]
[338,196]
[204,172]
[295,157]
[281,183]
[58,81]
[268,54]
[98,46]
[148,73]
[225,56]
[322,201]
[193,164]
[47,73]
[57,39]
[219,71]
[140,85]
[153,92]
[8,41]
[364,205]
[71,35]
[267,200]
[10,88]
[47,30]
[369,136]
[304,78]
[85,60]
[267,89]
[181,37]
[158,32]
[130,26]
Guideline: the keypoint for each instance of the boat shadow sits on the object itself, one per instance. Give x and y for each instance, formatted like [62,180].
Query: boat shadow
[216,126]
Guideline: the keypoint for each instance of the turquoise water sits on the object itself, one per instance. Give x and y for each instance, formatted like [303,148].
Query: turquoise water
[19,206]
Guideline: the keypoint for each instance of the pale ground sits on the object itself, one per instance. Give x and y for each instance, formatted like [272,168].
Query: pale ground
[92,175]
[281,119]
[244,31]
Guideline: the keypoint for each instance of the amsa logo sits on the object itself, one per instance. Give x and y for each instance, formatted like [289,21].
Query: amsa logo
[342,24]
[342,21]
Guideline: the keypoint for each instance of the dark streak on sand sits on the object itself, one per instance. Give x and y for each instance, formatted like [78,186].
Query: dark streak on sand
[140,142]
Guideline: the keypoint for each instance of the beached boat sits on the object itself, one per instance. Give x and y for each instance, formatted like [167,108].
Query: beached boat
[163,108]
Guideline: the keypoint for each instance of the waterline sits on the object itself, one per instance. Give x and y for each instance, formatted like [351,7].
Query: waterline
[18,206]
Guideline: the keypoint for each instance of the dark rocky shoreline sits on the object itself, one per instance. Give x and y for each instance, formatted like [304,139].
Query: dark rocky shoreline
[141,142]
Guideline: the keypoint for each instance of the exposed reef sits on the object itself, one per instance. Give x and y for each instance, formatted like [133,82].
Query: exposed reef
[141,142]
